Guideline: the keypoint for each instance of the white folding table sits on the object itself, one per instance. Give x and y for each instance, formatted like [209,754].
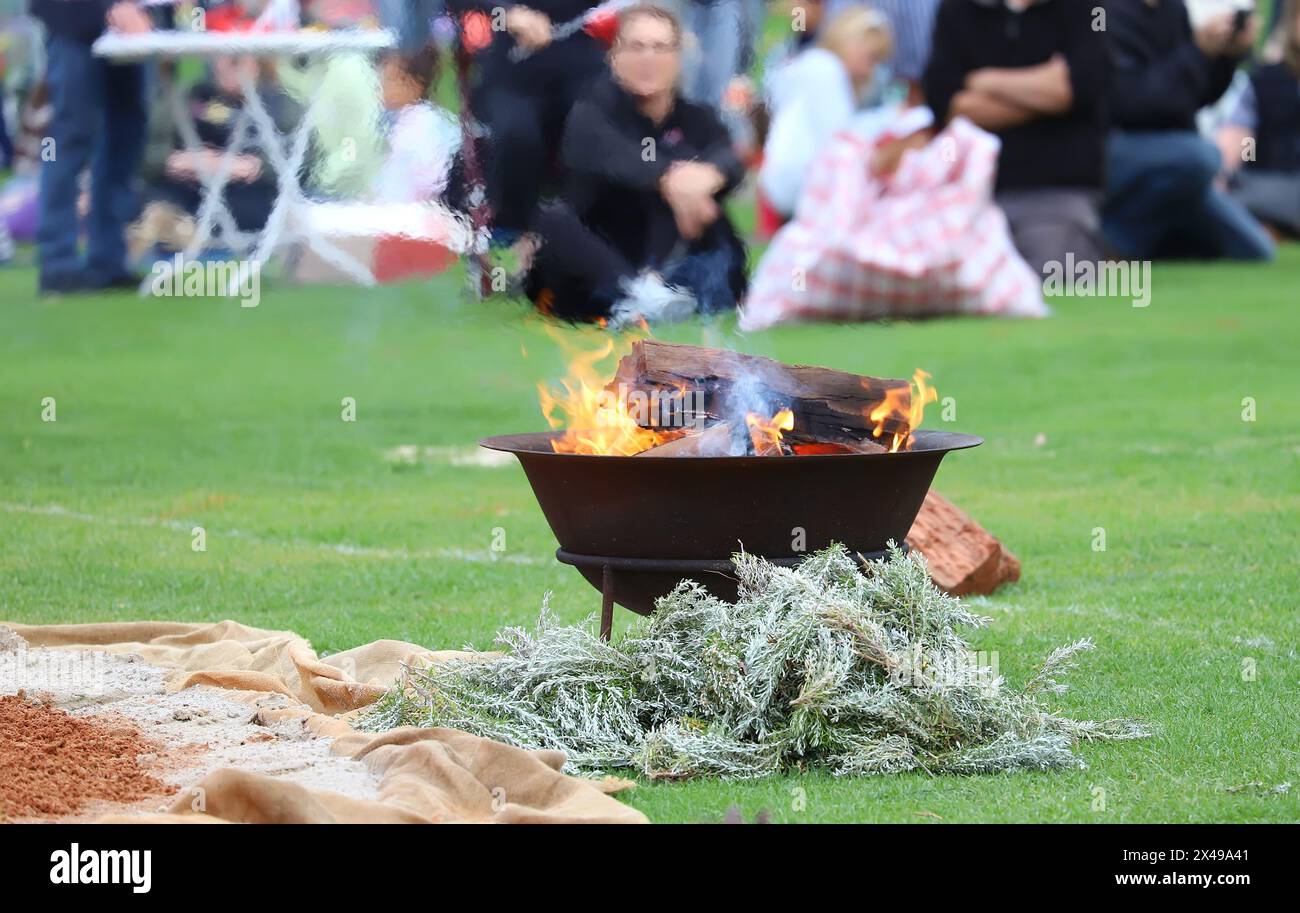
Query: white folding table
[286,224]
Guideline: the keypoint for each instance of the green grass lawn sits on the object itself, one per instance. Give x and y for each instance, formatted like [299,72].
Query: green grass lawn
[180,413]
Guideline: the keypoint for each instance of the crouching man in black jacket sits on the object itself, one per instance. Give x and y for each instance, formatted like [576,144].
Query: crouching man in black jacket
[640,231]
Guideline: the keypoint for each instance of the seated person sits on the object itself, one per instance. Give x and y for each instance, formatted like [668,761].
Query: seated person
[422,139]
[1161,195]
[1034,73]
[816,94]
[174,185]
[1260,143]
[895,223]
[640,231]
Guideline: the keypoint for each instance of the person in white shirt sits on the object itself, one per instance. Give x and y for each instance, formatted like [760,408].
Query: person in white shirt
[817,94]
[422,138]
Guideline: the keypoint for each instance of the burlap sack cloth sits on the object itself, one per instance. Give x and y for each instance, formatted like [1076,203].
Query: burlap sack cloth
[425,775]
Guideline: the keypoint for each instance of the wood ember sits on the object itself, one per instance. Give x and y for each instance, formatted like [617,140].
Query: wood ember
[828,405]
[812,447]
[716,441]
[964,558]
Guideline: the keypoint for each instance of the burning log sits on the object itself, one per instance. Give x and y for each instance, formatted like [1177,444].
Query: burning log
[811,447]
[722,440]
[767,436]
[717,441]
[708,384]
[964,558]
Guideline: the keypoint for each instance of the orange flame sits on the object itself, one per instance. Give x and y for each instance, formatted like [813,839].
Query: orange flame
[767,433]
[907,403]
[595,421]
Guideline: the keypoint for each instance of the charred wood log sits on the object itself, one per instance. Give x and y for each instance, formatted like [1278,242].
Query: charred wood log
[964,558]
[692,385]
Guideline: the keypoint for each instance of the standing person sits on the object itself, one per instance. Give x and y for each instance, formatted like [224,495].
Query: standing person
[1268,113]
[721,30]
[1034,73]
[98,121]
[816,94]
[641,231]
[1161,195]
[528,78]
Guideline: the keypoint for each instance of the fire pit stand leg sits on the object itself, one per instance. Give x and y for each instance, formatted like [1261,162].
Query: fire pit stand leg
[606,603]
[676,567]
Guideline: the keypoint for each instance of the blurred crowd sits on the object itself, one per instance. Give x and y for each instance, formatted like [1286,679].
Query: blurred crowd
[600,152]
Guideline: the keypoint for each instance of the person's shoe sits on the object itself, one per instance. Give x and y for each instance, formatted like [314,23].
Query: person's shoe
[649,299]
[120,282]
[66,283]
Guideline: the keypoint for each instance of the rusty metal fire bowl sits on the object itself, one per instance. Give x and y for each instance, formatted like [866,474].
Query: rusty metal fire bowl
[635,526]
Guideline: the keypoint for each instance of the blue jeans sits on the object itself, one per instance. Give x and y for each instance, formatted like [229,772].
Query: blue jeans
[721,28]
[409,20]
[6,143]
[1161,201]
[98,121]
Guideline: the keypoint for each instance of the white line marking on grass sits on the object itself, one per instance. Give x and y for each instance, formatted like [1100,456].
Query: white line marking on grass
[413,454]
[338,548]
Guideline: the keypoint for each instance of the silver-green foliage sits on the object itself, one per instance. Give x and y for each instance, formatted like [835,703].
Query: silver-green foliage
[817,666]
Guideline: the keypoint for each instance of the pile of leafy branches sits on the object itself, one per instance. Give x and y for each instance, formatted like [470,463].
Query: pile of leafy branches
[819,666]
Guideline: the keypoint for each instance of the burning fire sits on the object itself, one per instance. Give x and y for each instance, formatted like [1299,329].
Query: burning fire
[595,420]
[910,404]
[768,433]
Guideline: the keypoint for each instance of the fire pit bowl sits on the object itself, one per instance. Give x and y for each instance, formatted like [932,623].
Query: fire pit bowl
[636,526]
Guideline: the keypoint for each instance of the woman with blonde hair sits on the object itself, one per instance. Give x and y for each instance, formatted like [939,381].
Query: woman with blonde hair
[815,95]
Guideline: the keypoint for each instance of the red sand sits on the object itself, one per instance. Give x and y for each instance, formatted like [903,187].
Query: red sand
[53,764]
